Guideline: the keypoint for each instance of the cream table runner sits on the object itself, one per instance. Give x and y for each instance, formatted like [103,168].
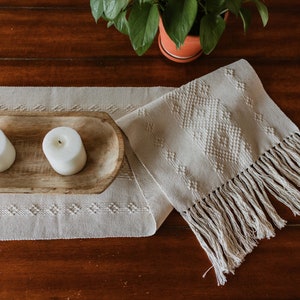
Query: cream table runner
[122,210]
[211,149]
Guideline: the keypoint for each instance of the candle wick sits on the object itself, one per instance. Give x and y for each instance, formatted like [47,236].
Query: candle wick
[59,141]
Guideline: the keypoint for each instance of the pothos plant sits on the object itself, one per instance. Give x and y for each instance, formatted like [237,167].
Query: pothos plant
[139,19]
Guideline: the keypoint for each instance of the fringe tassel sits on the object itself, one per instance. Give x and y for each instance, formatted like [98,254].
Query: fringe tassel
[231,220]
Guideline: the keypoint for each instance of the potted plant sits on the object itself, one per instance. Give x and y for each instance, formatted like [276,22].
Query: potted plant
[203,19]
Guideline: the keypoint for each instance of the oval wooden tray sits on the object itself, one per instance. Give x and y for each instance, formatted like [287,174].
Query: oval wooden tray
[31,171]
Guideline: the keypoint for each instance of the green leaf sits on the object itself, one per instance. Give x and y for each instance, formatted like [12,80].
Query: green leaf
[263,11]
[144,1]
[211,29]
[234,6]
[112,8]
[213,6]
[143,24]
[246,17]
[96,8]
[178,19]
[121,23]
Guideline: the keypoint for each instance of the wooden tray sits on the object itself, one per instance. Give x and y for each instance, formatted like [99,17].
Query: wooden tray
[31,171]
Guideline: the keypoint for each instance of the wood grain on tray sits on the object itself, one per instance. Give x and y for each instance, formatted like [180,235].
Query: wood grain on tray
[31,171]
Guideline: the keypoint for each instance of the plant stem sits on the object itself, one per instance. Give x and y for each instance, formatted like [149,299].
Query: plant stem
[203,7]
[224,11]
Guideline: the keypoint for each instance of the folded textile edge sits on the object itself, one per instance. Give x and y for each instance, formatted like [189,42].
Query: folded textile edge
[217,147]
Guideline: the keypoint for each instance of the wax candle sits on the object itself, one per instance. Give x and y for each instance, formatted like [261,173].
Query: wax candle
[64,150]
[7,152]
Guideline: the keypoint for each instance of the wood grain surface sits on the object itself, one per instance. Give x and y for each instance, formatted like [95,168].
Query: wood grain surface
[57,43]
[32,173]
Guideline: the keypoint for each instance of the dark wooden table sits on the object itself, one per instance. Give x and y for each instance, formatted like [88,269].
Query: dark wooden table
[57,43]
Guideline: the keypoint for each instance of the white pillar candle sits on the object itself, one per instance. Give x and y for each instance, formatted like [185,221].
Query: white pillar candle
[7,152]
[64,150]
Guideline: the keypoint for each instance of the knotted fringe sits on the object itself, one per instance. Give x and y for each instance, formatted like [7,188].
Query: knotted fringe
[229,222]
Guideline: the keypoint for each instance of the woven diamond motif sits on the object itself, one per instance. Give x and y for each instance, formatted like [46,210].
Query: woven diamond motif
[94,107]
[94,208]
[249,101]
[159,142]
[13,210]
[225,115]
[20,108]
[132,207]
[175,108]
[142,112]
[149,126]
[54,210]
[3,107]
[39,107]
[197,136]
[76,108]
[130,108]
[58,108]
[225,143]
[192,185]
[270,130]
[170,155]
[74,209]
[111,109]
[114,208]
[34,209]
[211,126]
[204,89]
[229,72]
[258,117]
[240,85]
[181,170]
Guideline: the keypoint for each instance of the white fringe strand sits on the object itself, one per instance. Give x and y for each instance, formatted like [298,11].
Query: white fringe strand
[231,220]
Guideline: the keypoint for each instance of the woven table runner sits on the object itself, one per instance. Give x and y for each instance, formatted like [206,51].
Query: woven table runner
[213,149]
[120,211]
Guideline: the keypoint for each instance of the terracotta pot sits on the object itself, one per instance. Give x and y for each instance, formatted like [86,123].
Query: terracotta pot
[189,51]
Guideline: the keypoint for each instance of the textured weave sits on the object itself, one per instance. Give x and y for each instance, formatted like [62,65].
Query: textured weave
[213,149]
[121,211]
